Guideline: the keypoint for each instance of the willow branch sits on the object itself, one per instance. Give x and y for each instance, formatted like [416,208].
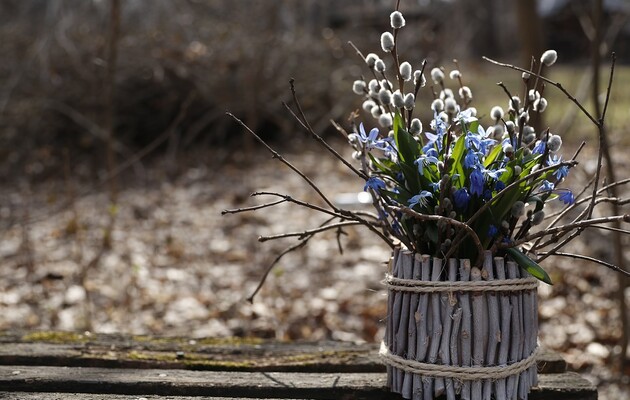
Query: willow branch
[308,232]
[283,160]
[252,208]
[582,257]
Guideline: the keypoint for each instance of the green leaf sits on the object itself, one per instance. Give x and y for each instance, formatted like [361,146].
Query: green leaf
[408,148]
[492,156]
[458,156]
[529,265]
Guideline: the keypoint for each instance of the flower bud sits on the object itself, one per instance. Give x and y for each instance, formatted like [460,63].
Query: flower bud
[473,111]
[517,170]
[554,143]
[533,95]
[450,105]
[418,78]
[396,20]
[465,93]
[549,57]
[385,120]
[397,99]
[370,59]
[405,71]
[510,126]
[446,93]
[496,113]
[540,105]
[387,85]
[514,104]
[373,85]
[416,126]
[367,105]
[359,87]
[538,217]
[437,75]
[455,74]
[518,209]
[525,76]
[376,111]
[437,105]
[379,65]
[410,101]
[385,96]
[387,42]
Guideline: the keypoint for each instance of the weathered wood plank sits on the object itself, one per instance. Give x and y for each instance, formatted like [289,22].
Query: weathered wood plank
[88,396]
[563,386]
[227,354]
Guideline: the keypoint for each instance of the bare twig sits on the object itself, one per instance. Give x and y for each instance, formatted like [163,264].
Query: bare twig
[308,232]
[583,257]
[252,208]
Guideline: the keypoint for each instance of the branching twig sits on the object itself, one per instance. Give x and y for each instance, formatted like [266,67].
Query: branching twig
[583,257]
[252,208]
[308,232]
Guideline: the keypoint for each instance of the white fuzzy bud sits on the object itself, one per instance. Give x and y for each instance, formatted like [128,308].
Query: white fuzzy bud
[396,20]
[437,75]
[446,93]
[508,149]
[498,131]
[517,170]
[525,76]
[376,111]
[533,95]
[374,86]
[496,113]
[473,111]
[405,71]
[510,126]
[367,105]
[524,116]
[554,143]
[359,87]
[385,96]
[385,120]
[514,104]
[465,93]
[540,105]
[387,42]
[416,126]
[549,57]
[450,105]
[379,65]
[410,101]
[387,85]
[455,74]
[518,209]
[538,217]
[370,59]
[397,99]
[437,105]
[418,78]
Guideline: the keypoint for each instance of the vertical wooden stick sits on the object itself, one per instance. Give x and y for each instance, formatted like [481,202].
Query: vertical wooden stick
[455,339]
[422,320]
[436,337]
[466,333]
[504,334]
[515,338]
[402,332]
[416,385]
[449,301]
[389,326]
[479,339]
[395,348]
[494,318]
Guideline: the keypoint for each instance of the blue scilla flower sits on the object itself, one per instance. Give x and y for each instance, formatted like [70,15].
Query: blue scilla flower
[434,139]
[487,194]
[461,198]
[425,160]
[479,141]
[562,171]
[367,139]
[492,231]
[374,184]
[566,196]
[421,199]
[494,173]
[547,186]
[471,160]
[466,116]
[540,146]
[476,182]
[499,186]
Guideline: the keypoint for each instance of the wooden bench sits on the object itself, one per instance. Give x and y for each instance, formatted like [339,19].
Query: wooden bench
[58,365]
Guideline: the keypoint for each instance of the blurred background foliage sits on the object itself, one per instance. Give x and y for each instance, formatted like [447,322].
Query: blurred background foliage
[182,64]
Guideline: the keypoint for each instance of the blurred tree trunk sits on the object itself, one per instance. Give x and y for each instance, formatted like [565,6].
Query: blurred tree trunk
[531,37]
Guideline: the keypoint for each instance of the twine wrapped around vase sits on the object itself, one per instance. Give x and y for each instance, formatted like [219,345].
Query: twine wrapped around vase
[463,332]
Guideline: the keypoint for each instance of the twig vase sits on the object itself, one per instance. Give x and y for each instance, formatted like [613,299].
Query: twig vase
[459,331]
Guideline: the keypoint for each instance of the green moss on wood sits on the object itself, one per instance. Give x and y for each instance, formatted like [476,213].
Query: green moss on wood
[55,337]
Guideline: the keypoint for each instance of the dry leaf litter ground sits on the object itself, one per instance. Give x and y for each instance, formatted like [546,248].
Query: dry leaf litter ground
[177,267]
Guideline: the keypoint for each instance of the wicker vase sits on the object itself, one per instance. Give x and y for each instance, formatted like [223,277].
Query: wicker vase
[459,331]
